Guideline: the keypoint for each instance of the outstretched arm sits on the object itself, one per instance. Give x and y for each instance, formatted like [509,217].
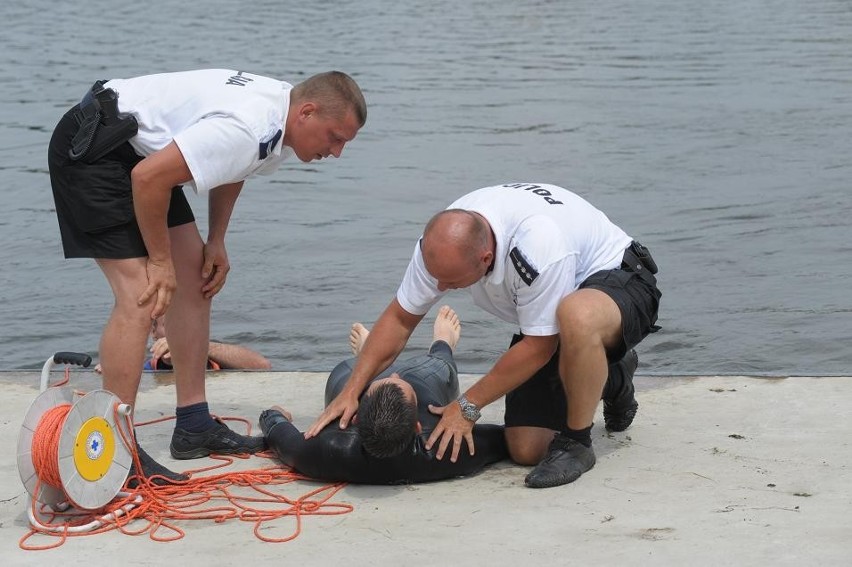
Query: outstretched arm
[387,339]
[237,357]
[281,435]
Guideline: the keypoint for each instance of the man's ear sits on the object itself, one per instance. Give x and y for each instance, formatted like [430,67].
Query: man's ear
[307,109]
[418,428]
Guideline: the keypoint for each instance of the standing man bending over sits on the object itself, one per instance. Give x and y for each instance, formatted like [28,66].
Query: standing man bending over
[580,289]
[117,162]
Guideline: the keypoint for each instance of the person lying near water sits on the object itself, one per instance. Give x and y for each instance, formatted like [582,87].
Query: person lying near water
[393,423]
[220,356]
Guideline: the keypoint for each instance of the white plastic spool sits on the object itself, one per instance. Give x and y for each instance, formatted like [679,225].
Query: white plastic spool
[93,460]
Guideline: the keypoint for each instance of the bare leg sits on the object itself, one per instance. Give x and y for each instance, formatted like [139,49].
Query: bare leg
[188,317]
[357,337]
[589,321]
[125,335]
[122,349]
[447,327]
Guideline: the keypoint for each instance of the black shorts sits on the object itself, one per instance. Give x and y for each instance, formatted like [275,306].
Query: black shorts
[94,202]
[540,401]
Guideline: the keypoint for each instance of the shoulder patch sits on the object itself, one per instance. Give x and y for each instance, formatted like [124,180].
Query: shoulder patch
[266,147]
[522,266]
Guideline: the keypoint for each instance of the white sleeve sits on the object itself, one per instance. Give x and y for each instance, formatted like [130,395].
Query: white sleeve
[217,150]
[537,303]
[418,291]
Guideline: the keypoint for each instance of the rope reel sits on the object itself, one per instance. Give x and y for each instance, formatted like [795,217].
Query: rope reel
[72,451]
[91,458]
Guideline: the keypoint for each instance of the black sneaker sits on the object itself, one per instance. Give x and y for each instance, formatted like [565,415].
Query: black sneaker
[219,439]
[620,410]
[566,460]
[152,470]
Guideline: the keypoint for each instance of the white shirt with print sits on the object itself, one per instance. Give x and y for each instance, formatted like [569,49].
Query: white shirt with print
[549,240]
[227,124]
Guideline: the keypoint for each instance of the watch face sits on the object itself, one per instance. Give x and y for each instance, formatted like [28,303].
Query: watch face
[469,411]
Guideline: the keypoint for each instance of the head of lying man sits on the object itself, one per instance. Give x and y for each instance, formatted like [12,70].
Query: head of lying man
[387,417]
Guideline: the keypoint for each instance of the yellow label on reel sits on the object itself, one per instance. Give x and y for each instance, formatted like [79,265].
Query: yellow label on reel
[94,448]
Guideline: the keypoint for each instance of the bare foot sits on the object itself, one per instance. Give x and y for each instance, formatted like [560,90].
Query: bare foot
[447,327]
[357,337]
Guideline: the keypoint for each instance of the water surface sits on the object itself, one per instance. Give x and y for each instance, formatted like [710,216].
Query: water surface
[715,133]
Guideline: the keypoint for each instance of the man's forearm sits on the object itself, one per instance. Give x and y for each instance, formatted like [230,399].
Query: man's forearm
[287,442]
[386,340]
[237,357]
[221,205]
[516,366]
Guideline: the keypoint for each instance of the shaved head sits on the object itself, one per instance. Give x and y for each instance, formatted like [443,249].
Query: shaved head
[457,247]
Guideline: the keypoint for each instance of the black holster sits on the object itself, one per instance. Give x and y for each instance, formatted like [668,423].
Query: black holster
[102,128]
[636,256]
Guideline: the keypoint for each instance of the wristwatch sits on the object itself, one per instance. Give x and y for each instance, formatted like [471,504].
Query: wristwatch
[469,410]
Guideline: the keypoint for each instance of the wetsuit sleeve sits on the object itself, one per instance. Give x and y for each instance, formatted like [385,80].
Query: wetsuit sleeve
[287,442]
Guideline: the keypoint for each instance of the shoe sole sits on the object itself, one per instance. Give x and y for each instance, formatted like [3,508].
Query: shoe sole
[552,482]
[200,452]
[191,454]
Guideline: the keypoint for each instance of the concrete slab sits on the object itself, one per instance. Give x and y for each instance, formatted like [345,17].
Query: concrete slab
[715,471]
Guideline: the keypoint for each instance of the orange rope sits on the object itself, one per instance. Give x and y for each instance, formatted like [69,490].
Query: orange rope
[45,445]
[240,495]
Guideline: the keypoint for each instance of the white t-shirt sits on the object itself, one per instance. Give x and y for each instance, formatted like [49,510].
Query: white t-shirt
[228,124]
[549,240]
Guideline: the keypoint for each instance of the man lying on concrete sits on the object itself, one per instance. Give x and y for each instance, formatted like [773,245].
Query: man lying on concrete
[393,422]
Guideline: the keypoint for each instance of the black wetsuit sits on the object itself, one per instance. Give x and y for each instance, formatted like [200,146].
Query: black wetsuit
[338,455]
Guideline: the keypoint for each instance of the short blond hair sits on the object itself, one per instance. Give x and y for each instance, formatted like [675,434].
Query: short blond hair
[334,92]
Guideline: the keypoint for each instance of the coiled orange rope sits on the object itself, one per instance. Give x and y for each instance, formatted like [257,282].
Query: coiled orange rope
[45,447]
[240,495]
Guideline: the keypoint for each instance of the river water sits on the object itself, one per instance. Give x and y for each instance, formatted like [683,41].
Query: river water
[717,133]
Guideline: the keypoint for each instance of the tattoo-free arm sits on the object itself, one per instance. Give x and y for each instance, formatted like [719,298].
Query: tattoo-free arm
[216,265]
[152,180]
[237,357]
